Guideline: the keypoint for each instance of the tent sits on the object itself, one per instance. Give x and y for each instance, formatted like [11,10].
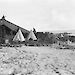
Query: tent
[19,36]
[62,35]
[32,36]
[69,42]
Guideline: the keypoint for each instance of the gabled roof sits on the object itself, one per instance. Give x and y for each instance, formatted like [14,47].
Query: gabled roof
[12,26]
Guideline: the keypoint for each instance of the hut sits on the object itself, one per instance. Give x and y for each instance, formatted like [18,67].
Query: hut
[8,30]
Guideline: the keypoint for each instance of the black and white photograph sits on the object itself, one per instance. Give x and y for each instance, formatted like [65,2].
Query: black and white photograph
[37,37]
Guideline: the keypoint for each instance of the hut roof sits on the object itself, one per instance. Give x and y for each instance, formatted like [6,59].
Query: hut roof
[12,26]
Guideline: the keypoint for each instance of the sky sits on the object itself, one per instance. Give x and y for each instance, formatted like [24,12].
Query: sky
[43,15]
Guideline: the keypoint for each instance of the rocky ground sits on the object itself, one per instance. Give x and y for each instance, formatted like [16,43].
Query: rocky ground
[36,61]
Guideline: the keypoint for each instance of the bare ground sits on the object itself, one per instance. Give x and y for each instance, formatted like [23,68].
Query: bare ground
[36,61]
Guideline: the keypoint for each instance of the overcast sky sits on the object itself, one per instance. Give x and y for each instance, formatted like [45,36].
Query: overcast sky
[44,15]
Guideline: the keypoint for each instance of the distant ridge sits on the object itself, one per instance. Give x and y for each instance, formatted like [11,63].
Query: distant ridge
[62,31]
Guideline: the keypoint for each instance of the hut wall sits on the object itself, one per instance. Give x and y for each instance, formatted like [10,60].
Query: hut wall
[5,33]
